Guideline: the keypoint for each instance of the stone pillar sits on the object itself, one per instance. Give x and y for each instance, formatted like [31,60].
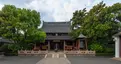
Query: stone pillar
[48,45]
[117,41]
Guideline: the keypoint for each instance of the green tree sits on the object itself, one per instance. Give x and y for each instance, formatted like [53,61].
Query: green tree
[99,24]
[77,21]
[20,25]
[36,35]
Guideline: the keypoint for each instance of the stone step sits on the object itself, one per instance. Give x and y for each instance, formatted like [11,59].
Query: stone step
[48,56]
[61,55]
[55,55]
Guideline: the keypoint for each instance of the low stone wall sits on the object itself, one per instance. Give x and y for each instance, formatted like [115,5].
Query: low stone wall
[31,52]
[84,53]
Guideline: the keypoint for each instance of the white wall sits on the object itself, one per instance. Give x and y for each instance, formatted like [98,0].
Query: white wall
[117,48]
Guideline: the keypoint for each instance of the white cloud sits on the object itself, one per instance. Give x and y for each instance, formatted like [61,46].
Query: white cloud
[56,10]
[1,6]
[60,10]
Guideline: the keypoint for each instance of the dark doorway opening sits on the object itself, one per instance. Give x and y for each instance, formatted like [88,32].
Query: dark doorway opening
[53,45]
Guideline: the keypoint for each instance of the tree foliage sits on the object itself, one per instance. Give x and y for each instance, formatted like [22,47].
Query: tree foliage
[20,24]
[78,20]
[99,23]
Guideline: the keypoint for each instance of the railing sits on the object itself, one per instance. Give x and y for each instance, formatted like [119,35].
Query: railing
[68,47]
[79,52]
[86,52]
[31,52]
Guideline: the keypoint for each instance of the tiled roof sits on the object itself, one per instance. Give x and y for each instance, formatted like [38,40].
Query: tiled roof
[81,36]
[56,27]
[3,40]
[58,38]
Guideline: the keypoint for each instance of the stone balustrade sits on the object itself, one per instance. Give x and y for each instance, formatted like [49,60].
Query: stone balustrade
[86,52]
[79,52]
[31,52]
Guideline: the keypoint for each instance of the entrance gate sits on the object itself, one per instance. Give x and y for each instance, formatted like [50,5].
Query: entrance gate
[60,45]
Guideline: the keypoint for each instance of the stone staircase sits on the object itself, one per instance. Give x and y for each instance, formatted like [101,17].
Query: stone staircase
[55,55]
[54,58]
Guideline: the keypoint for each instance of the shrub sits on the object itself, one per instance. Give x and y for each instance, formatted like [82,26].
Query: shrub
[10,49]
[10,54]
[4,48]
[97,47]
[13,47]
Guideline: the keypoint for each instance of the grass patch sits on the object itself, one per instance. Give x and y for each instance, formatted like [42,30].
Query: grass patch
[105,54]
[11,54]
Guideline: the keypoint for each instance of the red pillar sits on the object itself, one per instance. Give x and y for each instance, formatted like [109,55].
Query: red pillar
[86,43]
[78,44]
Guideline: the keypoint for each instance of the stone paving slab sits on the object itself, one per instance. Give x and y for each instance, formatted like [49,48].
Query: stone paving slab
[54,58]
[20,59]
[54,61]
[92,60]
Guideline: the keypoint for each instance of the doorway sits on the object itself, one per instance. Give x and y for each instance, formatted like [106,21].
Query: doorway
[59,45]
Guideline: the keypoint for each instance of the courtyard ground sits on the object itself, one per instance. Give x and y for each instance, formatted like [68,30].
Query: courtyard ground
[54,59]
[92,60]
[20,59]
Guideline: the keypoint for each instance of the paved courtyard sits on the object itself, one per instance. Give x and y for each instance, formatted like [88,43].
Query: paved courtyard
[57,59]
[20,59]
[92,60]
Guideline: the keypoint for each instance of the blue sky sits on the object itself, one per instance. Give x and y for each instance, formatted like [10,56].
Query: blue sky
[56,10]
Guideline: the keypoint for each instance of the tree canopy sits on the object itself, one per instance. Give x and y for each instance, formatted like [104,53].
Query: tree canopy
[99,23]
[20,24]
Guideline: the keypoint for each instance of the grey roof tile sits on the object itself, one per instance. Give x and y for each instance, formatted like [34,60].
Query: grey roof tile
[81,36]
[58,38]
[5,40]
[56,27]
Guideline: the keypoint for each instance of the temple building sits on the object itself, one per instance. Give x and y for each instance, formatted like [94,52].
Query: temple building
[57,33]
